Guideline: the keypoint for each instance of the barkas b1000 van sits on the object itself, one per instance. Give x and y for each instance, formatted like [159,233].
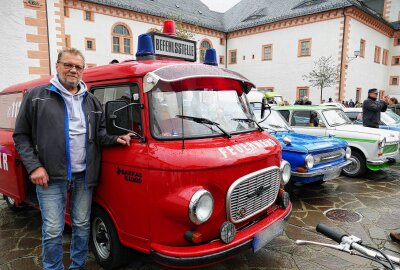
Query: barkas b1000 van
[200,181]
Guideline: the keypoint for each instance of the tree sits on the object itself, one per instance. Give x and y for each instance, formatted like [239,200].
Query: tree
[324,74]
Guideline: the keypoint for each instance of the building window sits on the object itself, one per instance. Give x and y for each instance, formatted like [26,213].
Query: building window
[358,94]
[267,52]
[304,47]
[394,80]
[233,57]
[121,39]
[88,16]
[377,57]
[222,59]
[66,11]
[67,41]
[396,41]
[395,60]
[204,45]
[90,44]
[221,41]
[90,65]
[381,94]
[302,92]
[244,57]
[362,48]
[385,56]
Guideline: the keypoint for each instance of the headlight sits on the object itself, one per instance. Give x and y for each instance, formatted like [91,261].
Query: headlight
[309,161]
[382,142]
[201,206]
[285,172]
[348,152]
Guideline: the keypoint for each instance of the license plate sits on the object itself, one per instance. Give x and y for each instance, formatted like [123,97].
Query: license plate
[331,175]
[267,235]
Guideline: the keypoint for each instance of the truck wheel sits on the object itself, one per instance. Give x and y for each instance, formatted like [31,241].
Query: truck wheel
[11,203]
[358,167]
[107,249]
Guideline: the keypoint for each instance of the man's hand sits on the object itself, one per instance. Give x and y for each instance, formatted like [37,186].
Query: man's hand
[125,139]
[386,99]
[40,177]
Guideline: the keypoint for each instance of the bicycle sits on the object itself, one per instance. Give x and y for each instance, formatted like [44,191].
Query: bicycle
[353,245]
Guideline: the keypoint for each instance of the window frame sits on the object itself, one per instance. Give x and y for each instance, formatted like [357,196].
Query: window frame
[377,55]
[85,12]
[93,40]
[263,55]
[358,94]
[394,57]
[230,52]
[299,47]
[121,39]
[202,50]
[394,78]
[222,59]
[362,48]
[299,88]
[385,57]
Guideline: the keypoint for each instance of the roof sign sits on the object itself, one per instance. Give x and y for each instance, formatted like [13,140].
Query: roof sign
[170,46]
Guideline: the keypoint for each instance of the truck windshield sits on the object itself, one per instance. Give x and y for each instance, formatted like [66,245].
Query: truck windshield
[172,113]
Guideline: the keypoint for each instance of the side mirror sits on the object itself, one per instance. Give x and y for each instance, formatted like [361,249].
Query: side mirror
[117,117]
[264,107]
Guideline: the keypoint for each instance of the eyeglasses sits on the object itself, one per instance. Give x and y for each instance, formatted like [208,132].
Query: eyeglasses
[78,68]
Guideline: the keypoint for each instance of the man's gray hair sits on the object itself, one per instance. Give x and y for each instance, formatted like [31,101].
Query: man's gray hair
[71,51]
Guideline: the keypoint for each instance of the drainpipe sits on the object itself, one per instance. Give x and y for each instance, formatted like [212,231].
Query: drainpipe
[48,36]
[226,50]
[342,57]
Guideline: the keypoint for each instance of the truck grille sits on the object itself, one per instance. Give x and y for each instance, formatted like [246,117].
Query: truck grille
[252,193]
[390,148]
[330,156]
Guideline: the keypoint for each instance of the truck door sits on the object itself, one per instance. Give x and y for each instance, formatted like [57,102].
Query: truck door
[122,187]
[12,172]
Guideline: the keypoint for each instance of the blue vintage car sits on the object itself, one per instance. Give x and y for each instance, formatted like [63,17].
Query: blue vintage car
[314,159]
[389,119]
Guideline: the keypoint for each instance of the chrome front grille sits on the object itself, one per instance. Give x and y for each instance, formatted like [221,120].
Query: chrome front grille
[329,156]
[252,193]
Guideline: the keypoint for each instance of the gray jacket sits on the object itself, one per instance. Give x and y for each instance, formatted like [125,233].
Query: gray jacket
[42,130]
[372,112]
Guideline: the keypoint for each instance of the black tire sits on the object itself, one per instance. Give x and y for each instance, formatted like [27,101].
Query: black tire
[105,244]
[316,183]
[358,167]
[11,203]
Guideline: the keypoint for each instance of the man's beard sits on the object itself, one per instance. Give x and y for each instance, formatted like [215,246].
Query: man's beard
[68,84]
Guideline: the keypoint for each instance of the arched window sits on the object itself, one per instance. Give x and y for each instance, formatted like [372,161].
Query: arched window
[204,45]
[121,39]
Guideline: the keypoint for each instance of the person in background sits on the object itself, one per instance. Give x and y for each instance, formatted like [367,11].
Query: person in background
[372,108]
[393,105]
[351,103]
[306,101]
[59,142]
[330,99]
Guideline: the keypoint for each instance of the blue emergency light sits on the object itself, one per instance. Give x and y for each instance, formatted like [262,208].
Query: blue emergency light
[145,46]
[210,57]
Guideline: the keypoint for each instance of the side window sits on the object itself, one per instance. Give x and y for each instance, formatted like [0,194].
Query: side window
[285,114]
[128,93]
[301,118]
[9,108]
[354,116]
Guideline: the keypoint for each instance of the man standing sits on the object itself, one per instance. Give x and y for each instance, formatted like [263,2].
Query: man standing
[372,109]
[59,130]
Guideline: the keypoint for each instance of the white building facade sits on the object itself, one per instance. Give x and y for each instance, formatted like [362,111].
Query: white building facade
[275,55]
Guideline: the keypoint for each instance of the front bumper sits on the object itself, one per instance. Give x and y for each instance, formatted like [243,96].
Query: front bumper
[216,251]
[322,171]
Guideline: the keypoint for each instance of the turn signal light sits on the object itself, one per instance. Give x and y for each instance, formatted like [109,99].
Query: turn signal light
[193,237]
[301,169]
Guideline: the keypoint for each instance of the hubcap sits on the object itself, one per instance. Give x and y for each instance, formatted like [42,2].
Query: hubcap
[354,167]
[101,238]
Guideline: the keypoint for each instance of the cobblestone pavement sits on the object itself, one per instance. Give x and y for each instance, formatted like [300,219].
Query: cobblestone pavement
[375,198]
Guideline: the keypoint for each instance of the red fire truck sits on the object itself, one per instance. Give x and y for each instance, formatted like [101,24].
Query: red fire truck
[200,182]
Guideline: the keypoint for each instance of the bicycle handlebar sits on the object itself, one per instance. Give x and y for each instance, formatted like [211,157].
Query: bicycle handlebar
[330,233]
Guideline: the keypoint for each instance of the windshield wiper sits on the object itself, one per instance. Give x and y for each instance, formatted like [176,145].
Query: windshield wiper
[205,121]
[248,120]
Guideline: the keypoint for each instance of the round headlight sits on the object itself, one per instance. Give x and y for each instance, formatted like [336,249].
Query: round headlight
[309,161]
[382,142]
[201,206]
[348,152]
[285,172]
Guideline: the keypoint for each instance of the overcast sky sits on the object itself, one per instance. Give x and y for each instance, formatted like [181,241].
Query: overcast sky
[220,5]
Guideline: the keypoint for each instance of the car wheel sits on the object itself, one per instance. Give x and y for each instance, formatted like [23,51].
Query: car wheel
[358,167]
[11,203]
[105,244]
